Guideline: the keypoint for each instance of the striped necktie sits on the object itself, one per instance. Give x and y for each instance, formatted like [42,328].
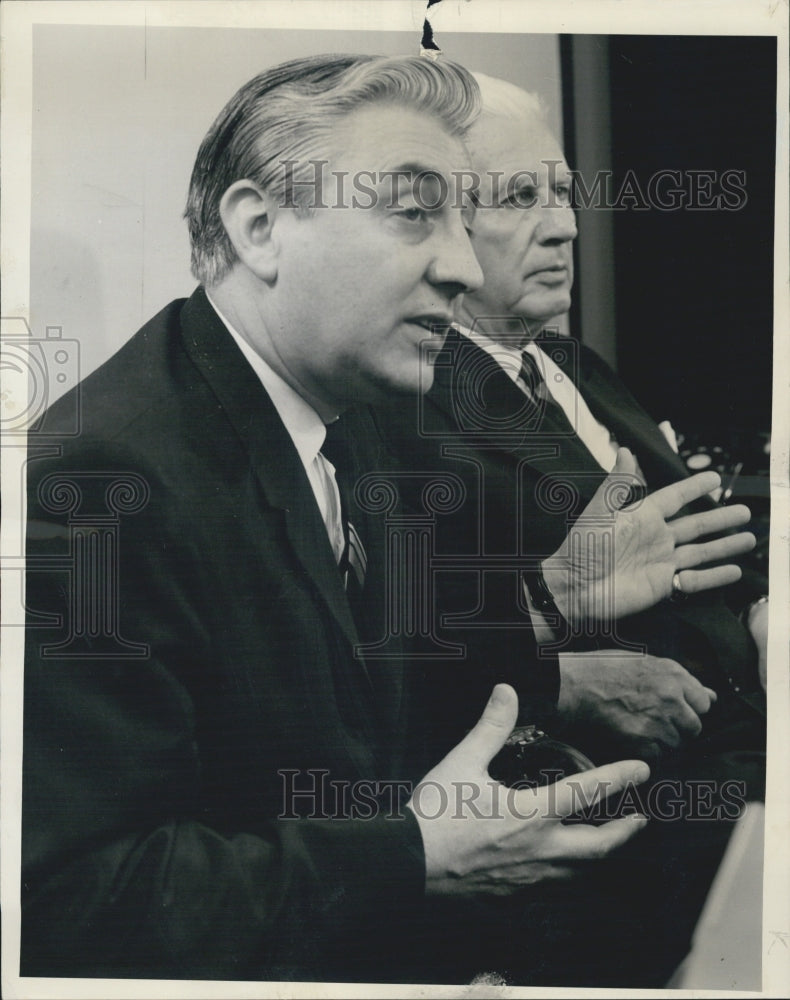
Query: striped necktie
[353,561]
[549,415]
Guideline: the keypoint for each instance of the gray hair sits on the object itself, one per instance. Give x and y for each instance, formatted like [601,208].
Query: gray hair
[287,113]
[503,99]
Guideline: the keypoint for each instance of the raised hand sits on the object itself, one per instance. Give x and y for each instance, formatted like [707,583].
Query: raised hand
[481,837]
[617,562]
[648,702]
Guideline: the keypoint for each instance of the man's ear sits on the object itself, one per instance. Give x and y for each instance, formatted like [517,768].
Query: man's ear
[248,215]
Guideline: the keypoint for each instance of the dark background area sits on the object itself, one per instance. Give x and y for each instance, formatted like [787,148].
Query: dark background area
[693,290]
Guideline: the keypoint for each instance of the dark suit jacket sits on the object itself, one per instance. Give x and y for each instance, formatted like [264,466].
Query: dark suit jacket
[190,655]
[526,477]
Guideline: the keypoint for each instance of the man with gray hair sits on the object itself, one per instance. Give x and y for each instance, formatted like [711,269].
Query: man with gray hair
[219,775]
[532,422]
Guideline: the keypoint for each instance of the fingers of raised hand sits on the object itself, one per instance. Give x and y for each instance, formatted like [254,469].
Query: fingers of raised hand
[709,522]
[694,580]
[672,498]
[697,553]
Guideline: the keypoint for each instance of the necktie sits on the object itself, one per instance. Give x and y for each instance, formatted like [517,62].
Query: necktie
[366,607]
[549,416]
[333,517]
[352,562]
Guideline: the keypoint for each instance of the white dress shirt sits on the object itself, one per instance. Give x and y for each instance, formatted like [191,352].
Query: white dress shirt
[599,440]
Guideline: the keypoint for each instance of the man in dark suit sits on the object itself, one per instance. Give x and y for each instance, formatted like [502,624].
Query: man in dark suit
[531,423]
[215,785]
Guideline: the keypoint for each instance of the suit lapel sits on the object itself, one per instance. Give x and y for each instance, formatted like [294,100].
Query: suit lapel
[611,403]
[469,385]
[273,458]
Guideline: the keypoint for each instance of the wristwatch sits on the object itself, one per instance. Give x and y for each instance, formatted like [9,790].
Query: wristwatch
[540,595]
[531,759]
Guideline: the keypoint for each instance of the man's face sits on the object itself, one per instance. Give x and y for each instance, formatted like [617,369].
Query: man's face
[524,227]
[359,288]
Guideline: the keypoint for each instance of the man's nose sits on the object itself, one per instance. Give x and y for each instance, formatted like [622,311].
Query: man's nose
[454,265]
[557,224]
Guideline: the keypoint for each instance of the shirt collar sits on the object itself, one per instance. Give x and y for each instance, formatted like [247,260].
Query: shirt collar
[508,358]
[305,427]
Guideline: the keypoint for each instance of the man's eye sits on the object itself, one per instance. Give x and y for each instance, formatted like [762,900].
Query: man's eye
[524,197]
[412,214]
[564,191]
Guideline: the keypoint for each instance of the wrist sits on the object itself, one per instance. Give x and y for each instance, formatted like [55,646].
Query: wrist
[549,589]
[568,697]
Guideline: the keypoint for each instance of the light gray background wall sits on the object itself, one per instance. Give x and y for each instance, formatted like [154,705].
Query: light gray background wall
[118,114]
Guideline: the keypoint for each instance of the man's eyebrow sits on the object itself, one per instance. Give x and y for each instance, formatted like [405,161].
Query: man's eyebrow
[413,169]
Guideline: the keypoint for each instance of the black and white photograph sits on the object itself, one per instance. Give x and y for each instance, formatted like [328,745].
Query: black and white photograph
[396,490]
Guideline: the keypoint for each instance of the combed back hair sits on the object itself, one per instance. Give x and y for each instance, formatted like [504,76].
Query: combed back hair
[288,113]
[503,99]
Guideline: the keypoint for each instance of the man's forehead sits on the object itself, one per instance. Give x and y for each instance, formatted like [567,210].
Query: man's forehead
[514,142]
[392,137]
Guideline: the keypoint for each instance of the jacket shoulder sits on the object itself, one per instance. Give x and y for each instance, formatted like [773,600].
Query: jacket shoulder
[132,380]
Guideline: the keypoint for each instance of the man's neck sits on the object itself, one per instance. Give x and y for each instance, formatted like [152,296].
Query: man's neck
[241,309]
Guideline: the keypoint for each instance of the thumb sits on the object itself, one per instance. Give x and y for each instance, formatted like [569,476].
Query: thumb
[616,488]
[625,462]
[483,743]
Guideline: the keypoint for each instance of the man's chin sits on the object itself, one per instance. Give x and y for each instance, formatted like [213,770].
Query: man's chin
[537,319]
[409,386]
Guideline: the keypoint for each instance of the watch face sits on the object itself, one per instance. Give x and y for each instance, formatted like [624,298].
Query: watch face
[531,759]
[539,594]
